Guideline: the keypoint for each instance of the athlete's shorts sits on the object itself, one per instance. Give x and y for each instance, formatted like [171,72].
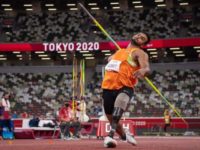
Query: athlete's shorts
[109,97]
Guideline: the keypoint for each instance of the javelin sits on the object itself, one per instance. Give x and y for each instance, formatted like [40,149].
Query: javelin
[118,47]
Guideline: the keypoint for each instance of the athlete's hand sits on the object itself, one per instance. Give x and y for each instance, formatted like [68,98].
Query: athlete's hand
[140,73]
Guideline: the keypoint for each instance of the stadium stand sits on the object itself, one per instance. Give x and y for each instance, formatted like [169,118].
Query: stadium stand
[73,26]
[43,93]
[39,91]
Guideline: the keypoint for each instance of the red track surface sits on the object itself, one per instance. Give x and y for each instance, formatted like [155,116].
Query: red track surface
[144,143]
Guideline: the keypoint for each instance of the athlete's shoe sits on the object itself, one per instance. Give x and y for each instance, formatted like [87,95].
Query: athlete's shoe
[110,142]
[68,138]
[130,138]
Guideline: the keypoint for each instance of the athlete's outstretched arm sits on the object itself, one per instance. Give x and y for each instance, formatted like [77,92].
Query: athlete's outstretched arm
[143,59]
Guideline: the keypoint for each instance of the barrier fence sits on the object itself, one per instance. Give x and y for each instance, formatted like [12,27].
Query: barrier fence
[137,126]
[154,126]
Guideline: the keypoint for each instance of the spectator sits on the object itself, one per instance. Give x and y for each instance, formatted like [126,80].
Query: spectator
[34,122]
[196,111]
[15,115]
[1,110]
[1,120]
[6,105]
[7,123]
[81,111]
[24,115]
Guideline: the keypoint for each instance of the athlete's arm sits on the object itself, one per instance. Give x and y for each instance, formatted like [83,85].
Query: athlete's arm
[142,58]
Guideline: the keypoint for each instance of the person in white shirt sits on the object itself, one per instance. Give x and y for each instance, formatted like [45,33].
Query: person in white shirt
[6,105]
[6,110]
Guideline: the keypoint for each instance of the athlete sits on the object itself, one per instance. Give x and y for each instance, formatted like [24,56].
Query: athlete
[124,68]
[167,119]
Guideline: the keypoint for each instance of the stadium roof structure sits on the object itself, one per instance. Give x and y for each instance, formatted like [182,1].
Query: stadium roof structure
[190,53]
[63,5]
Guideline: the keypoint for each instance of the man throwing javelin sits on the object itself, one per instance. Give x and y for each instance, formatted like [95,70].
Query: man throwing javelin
[122,73]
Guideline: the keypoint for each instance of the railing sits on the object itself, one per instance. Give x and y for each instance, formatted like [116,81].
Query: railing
[174,129]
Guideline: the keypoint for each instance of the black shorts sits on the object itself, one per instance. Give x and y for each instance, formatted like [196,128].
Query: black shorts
[167,125]
[109,97]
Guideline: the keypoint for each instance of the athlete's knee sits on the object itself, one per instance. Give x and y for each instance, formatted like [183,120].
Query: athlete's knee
[122,100]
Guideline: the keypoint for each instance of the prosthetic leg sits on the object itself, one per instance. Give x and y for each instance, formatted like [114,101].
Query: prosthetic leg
[119,108]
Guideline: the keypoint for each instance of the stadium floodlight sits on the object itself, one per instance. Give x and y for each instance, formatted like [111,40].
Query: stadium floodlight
[85,55]
[105,51]
[5,5]
[19,55]
[136,2]
[89,58]
[45,58]
[159,1]
[114,3]
[196,47]
[180,55]
[115,7]
[16,52]
[28,5]
[177,52]
[154,56]
[107,54]
[95,8]
[138,6]
[183,4]
[198,50]
[39,52]
[71,4]
[63,55]
[153,53]
[43,55]
[92,4]
[151,49]
[29,9]
[8,9]
[3,58]
[174,48]
[161,5]
[52,9]
[49,5]
[83,51]
[61,52]
[73,9]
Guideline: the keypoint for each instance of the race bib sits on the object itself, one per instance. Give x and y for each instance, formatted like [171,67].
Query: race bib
[113,65]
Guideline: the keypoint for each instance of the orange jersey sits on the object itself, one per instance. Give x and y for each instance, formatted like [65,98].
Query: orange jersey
[119,70]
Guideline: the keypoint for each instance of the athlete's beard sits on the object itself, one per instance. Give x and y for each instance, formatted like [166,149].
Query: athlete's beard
[134,42]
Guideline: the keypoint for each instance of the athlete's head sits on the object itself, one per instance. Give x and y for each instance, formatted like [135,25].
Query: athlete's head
[140,39]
